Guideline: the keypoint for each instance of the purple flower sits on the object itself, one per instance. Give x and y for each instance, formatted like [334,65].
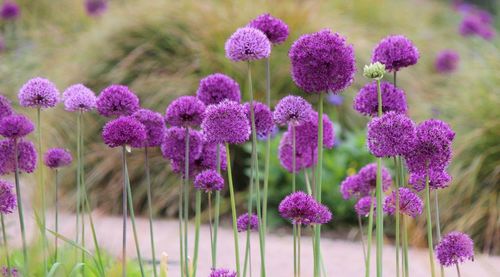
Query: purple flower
[222,272]
[292,110]
[117,100]
[5,272]
[174,145]
[322,62]
[303,159]
[15,126]
[217,87]
[79,98]
[5,107]
[124,130]
[368,179]
[474,25]
[208,158]
[26,154]
[185,111]
[437,180]
[409,203]
[9,10]
[272,133]
[274,28]
[302,208]
[208,181]
[439,127]
[446,61]
[57,157]
[395,52]
[247,44]
[154,124]
[390,135]
[306,134]
[38,93]
[247,222]
[226,122]
[95,7]
[455,248]
[363,206]
[335,99]
[351,187]
[8,200]
[263,118]
[393,99]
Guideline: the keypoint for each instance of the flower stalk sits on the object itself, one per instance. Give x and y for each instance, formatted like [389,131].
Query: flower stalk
[186,204]
[151,232]
[429,223]
[233,211]
[317,227]
[5,244]
[42,188]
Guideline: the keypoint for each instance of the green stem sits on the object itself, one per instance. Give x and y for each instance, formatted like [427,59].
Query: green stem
[210,225]
[56,215]
[78,178]
[294,159]
[308,183]
[181,232]
[458,270]
[294,231]
[20,209]
[92,228]
[216,214]
[5,245]
[360,224]
[398,184]
[317,227]
[150,208]
[267,157]
[405,247]
[82,191]
[233,211]
[249,212]
[197,231]
[298,249]
[186,203]
[378,195]
[429,224]
[42,188]
[369,237]
[124,209]
[438,224]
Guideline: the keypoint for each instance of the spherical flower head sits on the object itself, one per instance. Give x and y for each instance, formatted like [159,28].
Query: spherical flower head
[222,272]
[274,28]
[208,181]
[301,208]
[174,145]
[368,179]
[351,187]
[393,99]
[117,100]
[217,87]
[374,71]
[292,110]
[226,122]
[79,98]
[95,7]
[438,179]
[26,154]
[5,107]
[8,200]
[303,159]
[263,118]
[455,248]
[247,222]
[446,61]
[409,203]
[38,93]
[363,206]
[390,135]
[154,124]
[474,25]
[306,134]
[322,62]
[15,126]
[57,157]
[10,10]
[124,131]
[439,127]
[247,44]
[395,52]
[185,111]
[208,158]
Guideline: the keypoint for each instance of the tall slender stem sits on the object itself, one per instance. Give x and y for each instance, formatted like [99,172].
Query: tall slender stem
[406,269]
[369,236]
[83,191]
[150,208]
[181,232]
[317,227]
[398,184]
[186,203]
[429,224]
[249,212]
[233,211]
[197,231]
[458,270]
[378,195]
[92,228]
[20,209]
[360,224]
[210,225]
[5,244]
[124,209]
[298,249]
[56,220]
[78,178]
[216,214]
[438,224]
[41,183]
[294,159]
[267,157]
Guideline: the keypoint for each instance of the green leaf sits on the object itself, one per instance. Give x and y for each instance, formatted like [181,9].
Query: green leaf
[53,269]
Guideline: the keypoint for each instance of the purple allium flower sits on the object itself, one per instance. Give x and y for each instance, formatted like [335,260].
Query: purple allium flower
[15,126]
[79,98]
[26,154]
[57,157]
[208,158]
[208,181]
[154,124]
[38,93]
[322,62]
[9,10]
[8,200]
[222,272]
[185,111]
[117,100]
[306,134]
[409,203]
[246,221]
[437,180]
[302,208]
[395,52]
[303,159]
[335,99]
[351,187]
[368,179]
[124,130]
[5,272]
[263,118]
[217,87]
[393,99]
[247,44]
[446,61]
[455,248]
[292,110]
[439,127]
[274,28]
[390,135]
[474,25]
[363,206]
[95,7]
[226,122]
[174,144]
[272,133]
[5,107]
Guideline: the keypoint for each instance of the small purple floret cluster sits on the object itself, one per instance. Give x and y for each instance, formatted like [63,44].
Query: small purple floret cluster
[57,157]
[222,272]
[393,99]
[446,61]
[274,28]
[248,44]
[117,100]
[302,209]
[455,248]
[247,222]
[395,52]
[409,203]
[8,201]
[209,181]
[38,93]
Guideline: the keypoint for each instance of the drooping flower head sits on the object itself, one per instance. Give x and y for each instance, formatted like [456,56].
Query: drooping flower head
[217,87]
[247,44]
[263,118]
[322,62]
[393,99]
[274,28]
[363,206]
[79,98]
[174,144]
[226,122]
[302,208]
[351,187]
[10,10]
[26,154]
[208,181]
[222,272]
[8,200]
[38,93]
[154,124]
[368,179]
[446,61]
[95,7]
[390,135]
[15,126]
[247,221]
[395,52]
[208,158]
[292,110]
[57,157]
[438,179]
[455,248]
[117,100]
[306,134]
[185,111]
[5,107]
[303,158]
[409,203]
[124,130]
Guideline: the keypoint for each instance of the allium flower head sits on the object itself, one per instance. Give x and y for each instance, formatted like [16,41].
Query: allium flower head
[57,157]
[8,200]
[307,133]
[368,179]
[455,248]
[247,221]
[174,144]
[303,158]
[322,62]
[154,124]
[409,203]
[15,126]
[5,107]
[395,52]
[363,206]
[222,272]
[208,181]
[26,154]
[226,122]
[124,130]
[247,44]
[208,158]
[446,61]
[393,99]
[474,25]
[302,208]
[38,93]
[217,87]
[185,111]
[96,7]
[263,118]
[438,179]
[10,10]
[274,28]
[292,110]
[351,187]
[117,100]
[390,135]
[79,98]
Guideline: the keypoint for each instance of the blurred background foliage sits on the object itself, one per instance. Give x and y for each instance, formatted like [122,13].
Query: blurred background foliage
[162,48]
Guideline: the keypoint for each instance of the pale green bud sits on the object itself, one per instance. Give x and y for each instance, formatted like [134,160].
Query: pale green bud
[374,71]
